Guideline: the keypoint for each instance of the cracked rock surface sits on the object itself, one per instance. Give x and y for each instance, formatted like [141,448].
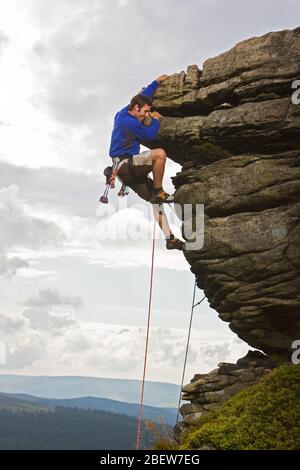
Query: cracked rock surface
[235,129]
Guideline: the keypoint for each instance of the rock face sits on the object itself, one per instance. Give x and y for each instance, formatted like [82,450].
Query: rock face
[207,391]
[235,129]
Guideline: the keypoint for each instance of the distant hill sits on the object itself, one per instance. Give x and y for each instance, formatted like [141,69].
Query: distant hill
[164,395]
[129,409]
[13,403]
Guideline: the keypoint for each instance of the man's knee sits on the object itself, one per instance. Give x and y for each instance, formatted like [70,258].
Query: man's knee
[158,154]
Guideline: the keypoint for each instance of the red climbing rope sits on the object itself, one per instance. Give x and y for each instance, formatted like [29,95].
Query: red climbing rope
[139,433]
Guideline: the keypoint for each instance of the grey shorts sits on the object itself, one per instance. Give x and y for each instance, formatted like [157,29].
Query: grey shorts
[141,159]
[134,173]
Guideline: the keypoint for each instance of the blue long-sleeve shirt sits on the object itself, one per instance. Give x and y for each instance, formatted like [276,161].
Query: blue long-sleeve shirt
[128,131]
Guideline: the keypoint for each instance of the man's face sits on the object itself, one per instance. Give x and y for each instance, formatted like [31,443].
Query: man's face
[143,112]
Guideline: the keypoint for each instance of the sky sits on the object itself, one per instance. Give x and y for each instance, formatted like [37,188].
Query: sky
[74,296]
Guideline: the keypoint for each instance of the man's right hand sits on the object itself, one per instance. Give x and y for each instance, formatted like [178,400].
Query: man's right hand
[155,115]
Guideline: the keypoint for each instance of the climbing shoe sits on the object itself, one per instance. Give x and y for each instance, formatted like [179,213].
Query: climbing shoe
[161,196]
[174,243]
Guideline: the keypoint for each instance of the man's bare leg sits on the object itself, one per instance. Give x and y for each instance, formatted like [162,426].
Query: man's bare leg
[158,157]
[162,220]
[158,166]
[172,241]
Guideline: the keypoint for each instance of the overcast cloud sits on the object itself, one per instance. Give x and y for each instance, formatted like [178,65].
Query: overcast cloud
[73,302]
[40,341]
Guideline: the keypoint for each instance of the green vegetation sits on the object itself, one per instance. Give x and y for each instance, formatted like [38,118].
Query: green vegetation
[68,428]
[265,416]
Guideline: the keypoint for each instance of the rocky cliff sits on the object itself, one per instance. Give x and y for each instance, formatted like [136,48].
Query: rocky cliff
[235,129]
[206,392]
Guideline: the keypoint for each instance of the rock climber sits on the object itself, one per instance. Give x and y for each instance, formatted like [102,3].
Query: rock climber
[132,125]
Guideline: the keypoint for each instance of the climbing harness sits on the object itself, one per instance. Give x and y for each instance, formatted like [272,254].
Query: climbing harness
[111,173]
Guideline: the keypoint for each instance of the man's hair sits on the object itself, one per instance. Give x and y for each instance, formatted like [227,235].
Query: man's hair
[140,100]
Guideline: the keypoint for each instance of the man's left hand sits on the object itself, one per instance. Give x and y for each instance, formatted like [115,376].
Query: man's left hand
[161,78]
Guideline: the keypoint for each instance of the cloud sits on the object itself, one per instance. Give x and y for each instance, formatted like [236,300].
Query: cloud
[123,3]
[55,188]
[79,86]
[82,80]
[23,345]
[42,319]
[10,266]
[36,227]
[19,227]
[3,42]
[10,324]
[31,334]
[69,191]
[30,273]
[51,298]
[40,341]
[64,76]
[22,230]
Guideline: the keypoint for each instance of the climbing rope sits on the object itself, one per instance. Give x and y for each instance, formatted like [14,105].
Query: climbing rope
[187,345]
[139,433]
[172,208]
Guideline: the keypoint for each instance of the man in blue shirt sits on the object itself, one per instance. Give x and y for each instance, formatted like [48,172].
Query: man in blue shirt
[133,125]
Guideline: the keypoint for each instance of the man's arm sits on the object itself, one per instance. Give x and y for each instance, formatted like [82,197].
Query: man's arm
[150,89]
[144,132]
